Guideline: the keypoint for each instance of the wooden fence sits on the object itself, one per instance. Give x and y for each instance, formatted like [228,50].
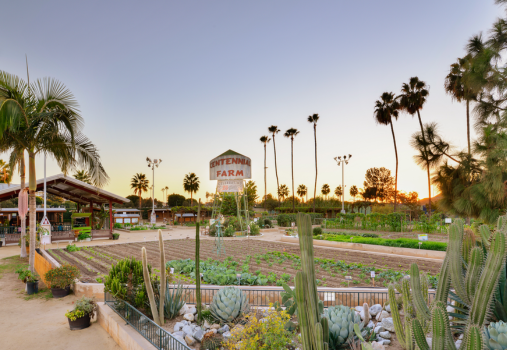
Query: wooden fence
[42,266]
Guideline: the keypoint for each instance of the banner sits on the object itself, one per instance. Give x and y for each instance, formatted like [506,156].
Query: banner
[230,166]
[229,186]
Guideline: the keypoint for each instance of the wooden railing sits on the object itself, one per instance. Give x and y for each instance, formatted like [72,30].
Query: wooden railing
[42,266]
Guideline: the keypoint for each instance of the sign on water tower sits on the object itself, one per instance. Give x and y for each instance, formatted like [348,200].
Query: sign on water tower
[229,169]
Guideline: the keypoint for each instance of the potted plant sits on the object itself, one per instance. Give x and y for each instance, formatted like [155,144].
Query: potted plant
[83,312]
[60,279]
[32,283]
[116,236]
[84,237]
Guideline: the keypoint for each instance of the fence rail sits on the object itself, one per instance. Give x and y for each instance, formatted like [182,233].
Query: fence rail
[42,266]
[157,336]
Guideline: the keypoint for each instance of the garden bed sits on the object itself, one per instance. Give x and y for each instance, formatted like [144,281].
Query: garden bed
[397,242]
[94,262]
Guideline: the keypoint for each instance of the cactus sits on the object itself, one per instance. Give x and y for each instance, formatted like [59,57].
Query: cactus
[366,310]
[229,304]
[496,336]
[341,324]
[123,280]
[211,341]
[197,262]
[163,279]
[314,329]
[149,288]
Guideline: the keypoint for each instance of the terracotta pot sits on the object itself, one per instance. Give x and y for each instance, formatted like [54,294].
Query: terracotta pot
[80,323]
[60,292]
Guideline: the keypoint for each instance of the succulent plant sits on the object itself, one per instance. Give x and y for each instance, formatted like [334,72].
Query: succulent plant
[211,341]
[229,303]
[496,335]
[341,324]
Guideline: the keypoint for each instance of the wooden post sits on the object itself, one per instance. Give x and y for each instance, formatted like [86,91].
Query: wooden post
[111,216]
[91,216]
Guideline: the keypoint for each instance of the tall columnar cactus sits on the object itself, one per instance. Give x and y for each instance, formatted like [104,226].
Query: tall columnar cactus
[149,288]
[163,277]
[197,261]
[314,328]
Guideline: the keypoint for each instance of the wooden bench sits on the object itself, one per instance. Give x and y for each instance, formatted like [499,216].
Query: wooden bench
[58,236]
[101,234]
[11,238]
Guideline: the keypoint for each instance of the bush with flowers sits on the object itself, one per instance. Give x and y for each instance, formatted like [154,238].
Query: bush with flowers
[84,306]
[62,277]
[267,333]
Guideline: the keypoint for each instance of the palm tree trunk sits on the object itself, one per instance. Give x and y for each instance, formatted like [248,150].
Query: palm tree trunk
[292,166]
[23,219]
[276,171]
[32,185]
[140,199]
[396,178]
[468,125]
[315,188]
[427,165]
[265,189]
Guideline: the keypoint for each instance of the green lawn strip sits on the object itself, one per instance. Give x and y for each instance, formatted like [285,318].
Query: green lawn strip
[399,242]
[11,264]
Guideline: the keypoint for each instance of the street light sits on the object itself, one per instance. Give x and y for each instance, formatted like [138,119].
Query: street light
[153,164]
[341,162]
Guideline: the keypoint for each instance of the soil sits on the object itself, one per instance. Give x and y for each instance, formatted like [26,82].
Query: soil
[93,262]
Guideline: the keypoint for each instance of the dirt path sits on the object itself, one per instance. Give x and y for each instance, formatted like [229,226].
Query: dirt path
[40,323]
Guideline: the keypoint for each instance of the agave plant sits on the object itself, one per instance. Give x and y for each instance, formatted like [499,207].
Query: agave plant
[229,304]
[496,336]
[341,324]
[174,300]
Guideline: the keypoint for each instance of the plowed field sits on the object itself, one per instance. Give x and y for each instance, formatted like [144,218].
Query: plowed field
[94,262]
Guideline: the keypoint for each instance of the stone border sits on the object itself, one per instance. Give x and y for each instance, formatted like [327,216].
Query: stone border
[124,335]
[419,253]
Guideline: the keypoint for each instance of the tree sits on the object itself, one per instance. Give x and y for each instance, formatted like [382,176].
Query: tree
[191,184]
[325,190]
[283,191]
[175,200]
[43,117]
[411,200]
[270,202]
[313,119]
[82,175]
[353,192]
[291,133]
[302,190]
[273,129]
[251,193]
[5,172]
[412,99]
[265,140]
[385,110]
[378,184]
[338,192]
[139,184]
[134,199]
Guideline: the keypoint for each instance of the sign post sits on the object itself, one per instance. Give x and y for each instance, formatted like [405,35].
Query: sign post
[45,235]
[372,273]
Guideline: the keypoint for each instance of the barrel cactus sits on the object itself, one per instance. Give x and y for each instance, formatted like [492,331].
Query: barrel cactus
[228,304]
[496,335]
[341,324]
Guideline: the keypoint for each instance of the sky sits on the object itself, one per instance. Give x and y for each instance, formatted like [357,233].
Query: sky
[184,81]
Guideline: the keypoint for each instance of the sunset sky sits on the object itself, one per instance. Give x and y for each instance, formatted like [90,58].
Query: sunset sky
[185,81]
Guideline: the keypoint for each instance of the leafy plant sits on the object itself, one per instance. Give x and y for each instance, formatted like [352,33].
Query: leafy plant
[72,248]
[174,300]
[84,306]
[62,277]
[83,236]
[229,304]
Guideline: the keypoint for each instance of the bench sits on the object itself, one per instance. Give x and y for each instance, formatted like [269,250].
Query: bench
[12,238]
[58,236]
[101,234]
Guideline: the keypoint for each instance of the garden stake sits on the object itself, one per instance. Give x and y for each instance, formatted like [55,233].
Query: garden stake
[197,261]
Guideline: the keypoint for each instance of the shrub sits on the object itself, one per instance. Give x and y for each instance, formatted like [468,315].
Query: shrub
[268,334]
[84,306]
[125,282]
[116,235]
[317,231]
[72,248]
[254,230]
[229,231]
[268,222]
[83,236]
[62,277]
[117,225]
[400,242]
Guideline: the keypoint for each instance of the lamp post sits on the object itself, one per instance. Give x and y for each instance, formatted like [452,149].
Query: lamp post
[153,164]
[341,162]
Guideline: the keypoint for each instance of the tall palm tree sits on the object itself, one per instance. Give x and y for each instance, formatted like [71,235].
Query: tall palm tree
[456,86]
[265,140]
[166,190]
[386,109]
[291,133]
[302,190]
[354,192]
[313,119]
[412,99]
[139,183]
[283,191]
[191,184]
[273,129]
[325,190]
[83,175]
[338,192]
[43,117]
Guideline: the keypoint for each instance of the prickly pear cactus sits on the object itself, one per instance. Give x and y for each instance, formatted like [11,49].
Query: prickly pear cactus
[496,335]
[229,303]
[341,324]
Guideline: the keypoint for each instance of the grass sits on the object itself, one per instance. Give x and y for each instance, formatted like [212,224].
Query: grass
[44,294]
[11,264]
[399,242]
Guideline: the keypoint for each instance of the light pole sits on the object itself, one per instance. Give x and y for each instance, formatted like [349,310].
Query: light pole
[342,163]
[153,164]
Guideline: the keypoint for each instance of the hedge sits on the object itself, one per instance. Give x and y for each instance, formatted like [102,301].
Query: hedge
[285,220]
[399,242]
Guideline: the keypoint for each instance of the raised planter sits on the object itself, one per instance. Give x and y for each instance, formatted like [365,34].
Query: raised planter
[80,323]
[60,292]
[32,287]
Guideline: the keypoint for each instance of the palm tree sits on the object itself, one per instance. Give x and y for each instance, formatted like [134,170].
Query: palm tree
[455,85]
[265,140]
[283,191]
[291,133]
[139,184]
[5,172]
[82,175]
[353,192]
[302,191]
[313,119]
[325,190]
[412,98]
[273,129]
[338,192]
[191,184]
[385,110]
[166,189]
[43,117]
